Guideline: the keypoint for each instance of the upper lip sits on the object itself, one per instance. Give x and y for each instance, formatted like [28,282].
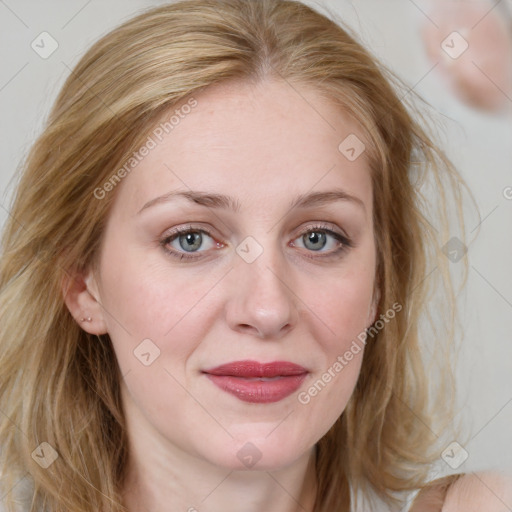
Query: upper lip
[256,369]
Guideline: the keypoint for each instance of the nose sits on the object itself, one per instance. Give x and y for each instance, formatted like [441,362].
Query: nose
[262,301]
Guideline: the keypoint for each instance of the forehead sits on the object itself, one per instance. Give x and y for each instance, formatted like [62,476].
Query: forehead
[255,142]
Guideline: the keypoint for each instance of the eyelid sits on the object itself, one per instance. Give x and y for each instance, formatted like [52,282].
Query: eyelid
[329,227]
[186,229]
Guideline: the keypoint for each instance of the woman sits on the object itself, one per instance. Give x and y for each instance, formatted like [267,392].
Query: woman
[214,272]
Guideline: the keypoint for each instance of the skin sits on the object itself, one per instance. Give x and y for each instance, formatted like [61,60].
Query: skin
[263,145]
[488,491]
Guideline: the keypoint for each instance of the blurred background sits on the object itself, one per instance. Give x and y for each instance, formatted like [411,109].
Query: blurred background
[455,54]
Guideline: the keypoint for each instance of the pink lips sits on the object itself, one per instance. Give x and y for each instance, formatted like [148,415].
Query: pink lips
[255,382]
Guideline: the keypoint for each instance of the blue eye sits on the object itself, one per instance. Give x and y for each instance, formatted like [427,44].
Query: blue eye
[184,242]
[188,240]
[316,238]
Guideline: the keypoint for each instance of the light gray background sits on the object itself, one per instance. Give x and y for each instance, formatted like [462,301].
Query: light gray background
[479,144]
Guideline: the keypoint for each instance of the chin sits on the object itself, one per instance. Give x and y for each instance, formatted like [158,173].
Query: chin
[253,451]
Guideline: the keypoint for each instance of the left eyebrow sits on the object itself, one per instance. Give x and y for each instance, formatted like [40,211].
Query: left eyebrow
[321,198]
[227,202]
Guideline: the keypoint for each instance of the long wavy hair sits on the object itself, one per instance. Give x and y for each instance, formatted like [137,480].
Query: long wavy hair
[60,385]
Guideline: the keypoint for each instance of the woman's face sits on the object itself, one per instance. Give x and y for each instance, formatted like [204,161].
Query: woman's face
[276,264]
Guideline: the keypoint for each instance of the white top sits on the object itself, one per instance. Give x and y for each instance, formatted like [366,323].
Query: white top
[22,492]
[374,504]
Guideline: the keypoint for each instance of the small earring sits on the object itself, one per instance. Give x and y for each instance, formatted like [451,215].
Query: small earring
[88,319]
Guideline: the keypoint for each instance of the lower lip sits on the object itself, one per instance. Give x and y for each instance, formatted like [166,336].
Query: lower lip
[258,391]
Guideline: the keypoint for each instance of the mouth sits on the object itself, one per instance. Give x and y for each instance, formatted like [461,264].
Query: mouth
[255,382]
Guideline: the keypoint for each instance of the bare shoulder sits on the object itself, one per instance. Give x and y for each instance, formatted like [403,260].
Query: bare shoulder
[488,491]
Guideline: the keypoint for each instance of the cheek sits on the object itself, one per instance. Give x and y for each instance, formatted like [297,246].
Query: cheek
[343,305]
[343,308]
[347,315]
[144,300]
[325,396]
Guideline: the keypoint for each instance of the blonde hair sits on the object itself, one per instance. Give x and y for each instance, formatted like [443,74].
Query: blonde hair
[60,385]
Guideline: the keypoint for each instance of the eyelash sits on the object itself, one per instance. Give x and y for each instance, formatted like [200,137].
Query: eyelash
[346,243]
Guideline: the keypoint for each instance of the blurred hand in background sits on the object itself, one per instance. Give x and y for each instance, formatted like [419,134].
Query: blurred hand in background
[472,41]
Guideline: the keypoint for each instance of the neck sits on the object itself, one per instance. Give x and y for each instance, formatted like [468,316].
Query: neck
[161,477]
[188,485]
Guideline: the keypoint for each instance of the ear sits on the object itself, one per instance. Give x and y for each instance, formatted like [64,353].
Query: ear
[81,295]
[372,311]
